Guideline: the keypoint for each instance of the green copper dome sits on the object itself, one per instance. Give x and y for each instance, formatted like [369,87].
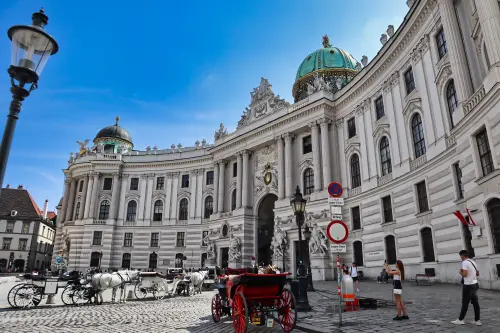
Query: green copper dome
[324,59]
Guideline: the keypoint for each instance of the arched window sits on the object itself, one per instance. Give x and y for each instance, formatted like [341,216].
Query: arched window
[355,171]
[209,207]
[417,131]
[233,200]
[126,260]
[451,99]
[358,253]
[390,250]
[183,210]
[385,156]
[308,181]
[131,210]
[153,261]
[493,208]
[77,210]
[95,259]
[203,260]
[104,210]
[158,211]
[427,245]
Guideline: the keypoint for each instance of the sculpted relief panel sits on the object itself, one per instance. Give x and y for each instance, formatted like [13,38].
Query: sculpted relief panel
[266,173]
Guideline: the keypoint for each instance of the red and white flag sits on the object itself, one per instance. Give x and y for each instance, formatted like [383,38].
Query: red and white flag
[468,222]
[471,221]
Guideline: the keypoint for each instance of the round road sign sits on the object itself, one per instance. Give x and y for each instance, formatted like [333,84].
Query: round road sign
[337,231]
[335,189]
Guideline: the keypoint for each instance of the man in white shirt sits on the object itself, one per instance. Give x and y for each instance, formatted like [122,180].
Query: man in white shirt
[469,274]
[354,274]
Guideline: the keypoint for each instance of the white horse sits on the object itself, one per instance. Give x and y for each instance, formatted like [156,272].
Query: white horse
[197,279]
[102,281]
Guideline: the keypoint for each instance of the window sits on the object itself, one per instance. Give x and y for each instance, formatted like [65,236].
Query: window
[458,178]
[131,210]
[387,206]
[108,182]
[153,261]
[43,231]
[180,239]
[358,253]
[203,259]
[484,151]
[158,211]
[210,178]
[385,156]
[356,218]
[409,81]
[26,228]
[104,210]
[127,239]
[6,243]
[233,200]
[441,43]
[185,181]
[379,107]
[22,244]
[95,259]
[10,227]
[423,204]
[451,99]
[308,181]
[204,235]
[155,237]
[134,184]
[351,127]
[355,172]
[80,186]
[235,169]
[390,250]
[209,207]
[427,245]
[183,210]
[97,238]
[179,260]
[126,260]
[77,211]
[418,136]
[307,145]
[160,183]
[493,208]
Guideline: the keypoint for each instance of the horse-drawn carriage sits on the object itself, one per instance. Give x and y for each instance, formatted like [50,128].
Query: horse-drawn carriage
[255,298]
[160,286]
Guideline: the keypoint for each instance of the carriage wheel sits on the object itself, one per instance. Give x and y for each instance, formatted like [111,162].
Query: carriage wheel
[240,313]
[159,291]
[12,293]
[28,296]
[68,294]
[140,291]
[80,296]
[287,313]
[216,308]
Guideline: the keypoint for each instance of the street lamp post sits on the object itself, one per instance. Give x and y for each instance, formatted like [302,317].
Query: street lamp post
[298,204]
[307,237]
[31,48]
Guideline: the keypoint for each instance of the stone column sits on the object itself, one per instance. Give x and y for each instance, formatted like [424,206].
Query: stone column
[71,200]
[64,207]
[489,17]
[222,174]
[123,192]
[175,191]
[344,164]
[397,102]
[95,192]
[149,197]
[391,118]
[216,187]
[115,196]
[84,197]
[88,199]
[325,152]
[364,158]
[142,201]
[245,188]
[281,167]
[192,203]
[168,196]
[199,193]
[239,175]
[456,49]
[316,156]
[288,165]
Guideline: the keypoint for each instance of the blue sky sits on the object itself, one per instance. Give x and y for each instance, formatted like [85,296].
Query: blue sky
[172,70]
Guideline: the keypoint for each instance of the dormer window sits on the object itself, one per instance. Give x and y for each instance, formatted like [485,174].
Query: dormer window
[109,149]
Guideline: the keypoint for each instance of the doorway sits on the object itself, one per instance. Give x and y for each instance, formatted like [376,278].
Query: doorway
[265,229]
[305,254]
[224,256]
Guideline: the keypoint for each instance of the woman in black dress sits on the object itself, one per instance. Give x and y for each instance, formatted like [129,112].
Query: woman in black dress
[398,276]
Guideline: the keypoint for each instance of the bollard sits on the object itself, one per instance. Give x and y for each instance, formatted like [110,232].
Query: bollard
[130,294]
[51,299]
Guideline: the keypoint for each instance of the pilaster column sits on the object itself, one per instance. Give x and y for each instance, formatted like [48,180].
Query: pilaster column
[216,187]
[115,196]
[489,17]
[245,186]
[84,197]
[67,183]
[393,126]
[281,167]
[222,174]
[123,192]
[456,48]
[95,192]
[192,203]
[342,158]
[149,196]
[142,201]
[239,160]
[71,201]
[168,196]
[325,152]
[316,156]
[175,192]
[199,193]
[288,164]
[364,158]
[88,199]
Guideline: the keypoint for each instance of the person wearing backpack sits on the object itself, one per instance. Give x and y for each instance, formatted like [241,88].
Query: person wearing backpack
[469,274]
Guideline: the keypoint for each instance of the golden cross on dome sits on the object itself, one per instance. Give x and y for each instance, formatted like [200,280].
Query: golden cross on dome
[117,120]
[326,41]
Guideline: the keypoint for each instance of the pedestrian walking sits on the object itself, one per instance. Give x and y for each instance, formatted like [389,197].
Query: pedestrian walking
[354,274]
[469,273]
[398,276]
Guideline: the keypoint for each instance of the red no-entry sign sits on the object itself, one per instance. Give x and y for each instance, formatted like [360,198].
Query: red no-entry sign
[337,231]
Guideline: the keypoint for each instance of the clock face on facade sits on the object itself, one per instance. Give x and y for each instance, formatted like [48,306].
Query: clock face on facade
[267,178]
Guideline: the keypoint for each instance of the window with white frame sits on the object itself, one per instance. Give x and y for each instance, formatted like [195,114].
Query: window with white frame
[97,238]
[484,152]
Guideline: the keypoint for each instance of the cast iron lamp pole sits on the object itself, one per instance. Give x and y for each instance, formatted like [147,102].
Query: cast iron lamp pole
[307,237]
[31,48]
[298,204]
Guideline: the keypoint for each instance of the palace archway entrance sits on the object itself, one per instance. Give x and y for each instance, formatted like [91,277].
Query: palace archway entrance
[265,229]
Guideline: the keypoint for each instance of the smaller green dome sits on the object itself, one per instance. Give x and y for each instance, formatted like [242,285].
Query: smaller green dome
[324,59]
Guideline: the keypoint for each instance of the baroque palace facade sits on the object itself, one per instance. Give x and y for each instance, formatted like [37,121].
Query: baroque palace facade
[412,135]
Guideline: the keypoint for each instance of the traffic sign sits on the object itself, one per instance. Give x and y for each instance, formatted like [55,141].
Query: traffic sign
[337,231]
[336,210]
[338,248]
[336,201]
[335,189]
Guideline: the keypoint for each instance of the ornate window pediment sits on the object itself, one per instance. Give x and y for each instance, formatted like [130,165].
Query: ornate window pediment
[105,196]
[184,193]
[381,126]
[411,105]
[443,76]
[159,195]
[132,196]
[352,145]
[306,163]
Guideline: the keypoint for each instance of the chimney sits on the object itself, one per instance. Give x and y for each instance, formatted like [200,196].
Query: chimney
[45,209]
[20,187]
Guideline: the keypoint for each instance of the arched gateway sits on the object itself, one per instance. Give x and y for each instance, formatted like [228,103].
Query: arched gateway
[265,229]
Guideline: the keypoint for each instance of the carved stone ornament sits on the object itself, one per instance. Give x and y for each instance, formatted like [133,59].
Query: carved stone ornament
[222,132]
[211,251]
[318,244]
[234,248]
[319,83]
[383,39]
[324,214]
[364,61]
[284,220]
[279,242]
[83,147]
[390,30]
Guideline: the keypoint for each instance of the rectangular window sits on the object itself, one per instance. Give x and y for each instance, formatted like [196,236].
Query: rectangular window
[210,178]
[307,145]
[423,204]
[379,107]
[80,188]
[160,183]
[351,127]
[484,151]
[97,238]
[356,218]
[155,238]
[26,228]
[180,239]
[108,182]
[203,236]
[22,244]
[6,243]
[409,81]
[235,169]
[134,184]
[458,178]
[387,205]
[127,240]
[185,181]
[441,43]
[10,227]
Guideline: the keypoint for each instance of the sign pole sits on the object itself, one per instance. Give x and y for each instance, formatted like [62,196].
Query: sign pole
[338,289]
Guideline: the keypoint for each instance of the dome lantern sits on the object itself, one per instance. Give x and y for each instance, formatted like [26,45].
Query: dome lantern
[115,139]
